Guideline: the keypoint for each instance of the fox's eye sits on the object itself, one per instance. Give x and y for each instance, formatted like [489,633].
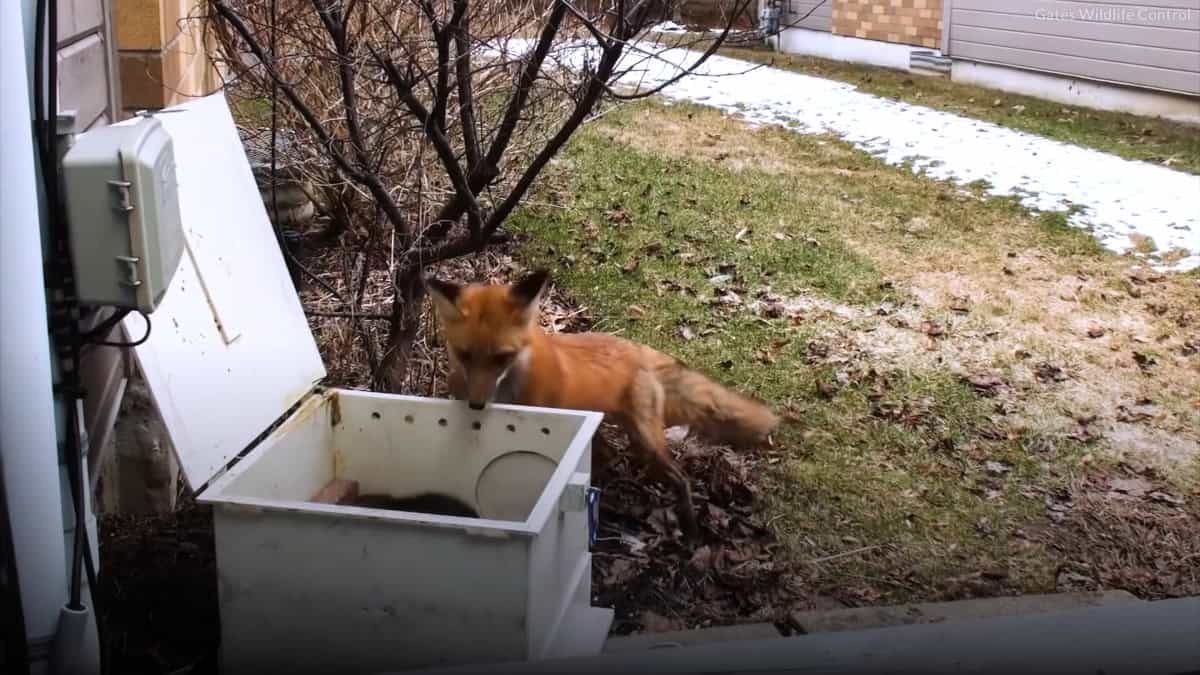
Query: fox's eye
[464,356]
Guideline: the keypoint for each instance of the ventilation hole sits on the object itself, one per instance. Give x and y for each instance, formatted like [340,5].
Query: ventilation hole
[442,422]
[545,431]
[511,427]
[375,416]
[476,426]
[408,419]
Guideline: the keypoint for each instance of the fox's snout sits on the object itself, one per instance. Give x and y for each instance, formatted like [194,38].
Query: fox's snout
[481,388]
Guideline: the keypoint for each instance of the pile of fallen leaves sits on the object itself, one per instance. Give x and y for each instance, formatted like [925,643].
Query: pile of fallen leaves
[1127,531]
[654,579]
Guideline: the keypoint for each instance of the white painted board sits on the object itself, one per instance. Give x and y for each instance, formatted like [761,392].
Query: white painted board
[230,350]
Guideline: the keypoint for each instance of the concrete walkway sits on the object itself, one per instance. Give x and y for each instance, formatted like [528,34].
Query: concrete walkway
[1146,638]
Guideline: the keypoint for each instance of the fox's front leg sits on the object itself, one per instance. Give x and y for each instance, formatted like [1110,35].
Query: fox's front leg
[456,382]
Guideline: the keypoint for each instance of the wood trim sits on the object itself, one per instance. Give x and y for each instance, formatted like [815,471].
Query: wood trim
[947,11]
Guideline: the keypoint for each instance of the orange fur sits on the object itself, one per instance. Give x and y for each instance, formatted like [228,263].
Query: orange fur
[499,353]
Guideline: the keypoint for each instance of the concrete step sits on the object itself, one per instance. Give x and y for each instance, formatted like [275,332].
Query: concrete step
[859,618]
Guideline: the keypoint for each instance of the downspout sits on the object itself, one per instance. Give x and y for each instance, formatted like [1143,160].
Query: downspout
[28,438]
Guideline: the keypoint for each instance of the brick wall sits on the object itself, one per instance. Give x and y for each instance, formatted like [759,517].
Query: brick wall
[912,22]
[161,53]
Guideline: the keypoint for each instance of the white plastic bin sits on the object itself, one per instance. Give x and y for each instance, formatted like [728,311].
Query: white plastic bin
[327,588]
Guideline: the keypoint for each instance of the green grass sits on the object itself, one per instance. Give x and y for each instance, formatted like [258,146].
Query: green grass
[890,457]
[1066,239]
[1130,136]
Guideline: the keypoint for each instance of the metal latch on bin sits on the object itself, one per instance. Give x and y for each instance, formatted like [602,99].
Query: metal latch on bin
[579,496]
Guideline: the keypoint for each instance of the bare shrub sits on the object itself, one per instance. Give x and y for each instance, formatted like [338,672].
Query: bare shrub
[420,125]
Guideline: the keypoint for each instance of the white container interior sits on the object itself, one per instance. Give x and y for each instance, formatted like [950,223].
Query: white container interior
[321,587]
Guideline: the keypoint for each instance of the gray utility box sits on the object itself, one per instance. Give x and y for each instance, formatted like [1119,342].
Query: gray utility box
[122,204]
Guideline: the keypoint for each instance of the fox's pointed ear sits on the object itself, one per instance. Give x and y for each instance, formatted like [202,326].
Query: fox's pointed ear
[529,289]
[445,296]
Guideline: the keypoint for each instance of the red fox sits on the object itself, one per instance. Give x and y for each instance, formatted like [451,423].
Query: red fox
[498,353]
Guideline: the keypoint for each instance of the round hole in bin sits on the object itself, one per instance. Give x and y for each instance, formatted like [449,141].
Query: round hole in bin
[442,422]
[545,431]
[511,427]
[375,415]
[509,486]
[476,426]
[408,419]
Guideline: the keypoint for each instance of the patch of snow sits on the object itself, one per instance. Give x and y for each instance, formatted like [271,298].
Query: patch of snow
[1119,201]
[667,27]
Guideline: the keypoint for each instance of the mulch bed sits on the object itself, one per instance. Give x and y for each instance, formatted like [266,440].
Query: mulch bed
[158,591]
[655,580]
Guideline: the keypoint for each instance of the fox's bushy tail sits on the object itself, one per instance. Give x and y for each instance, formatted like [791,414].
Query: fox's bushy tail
[714,411]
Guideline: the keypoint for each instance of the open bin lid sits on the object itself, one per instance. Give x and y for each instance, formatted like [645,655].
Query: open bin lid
[231,350]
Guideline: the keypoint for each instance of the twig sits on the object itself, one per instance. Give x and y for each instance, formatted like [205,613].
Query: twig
[347,315]
[844,554]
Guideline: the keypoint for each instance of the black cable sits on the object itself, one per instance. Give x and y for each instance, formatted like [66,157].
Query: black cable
[124,344]
[39,102]
[107,325]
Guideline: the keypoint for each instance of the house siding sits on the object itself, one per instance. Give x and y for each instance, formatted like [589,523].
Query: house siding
[821,18]
[1127,43]
[85,62]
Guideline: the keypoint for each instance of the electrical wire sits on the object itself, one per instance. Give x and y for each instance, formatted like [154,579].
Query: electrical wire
[107,325]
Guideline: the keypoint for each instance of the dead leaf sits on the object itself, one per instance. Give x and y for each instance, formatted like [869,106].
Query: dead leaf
[1190,347]
[677,434]
[1048,372]
[1144,360]
[985,384]
[702,560]
[1073,581]
[620,572]
[686,333]
[1134,487]
[1166,498]
[1095,331]
[653,622]
[997,468]
[932,328]
[617,216]
[1124,414]
[960,304]
[660,519]
[741,234]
